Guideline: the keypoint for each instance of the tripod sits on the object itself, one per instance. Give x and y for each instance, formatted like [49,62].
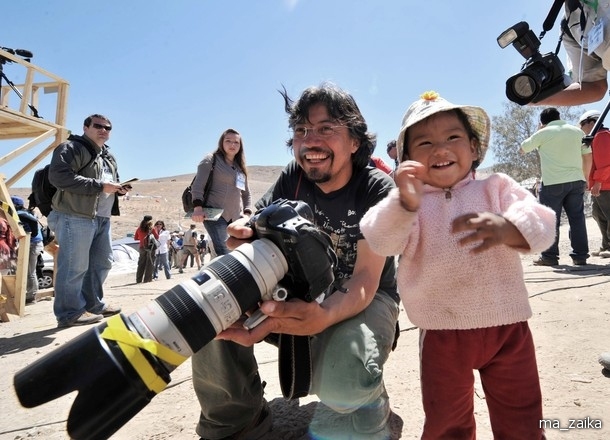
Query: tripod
[10,83]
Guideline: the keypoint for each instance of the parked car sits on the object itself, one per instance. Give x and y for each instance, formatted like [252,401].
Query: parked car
[122,252]
[45,270]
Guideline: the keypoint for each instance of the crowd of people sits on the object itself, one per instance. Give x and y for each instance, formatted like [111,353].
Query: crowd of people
[386,225]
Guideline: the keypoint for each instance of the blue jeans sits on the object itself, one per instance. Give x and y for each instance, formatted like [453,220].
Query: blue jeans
[32,283]
[570,197]
[84,259]
[217,230]
[162,262]
[601,214]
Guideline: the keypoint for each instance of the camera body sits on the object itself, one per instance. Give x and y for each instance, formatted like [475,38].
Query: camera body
[541,76]
[298,240]
[120,365]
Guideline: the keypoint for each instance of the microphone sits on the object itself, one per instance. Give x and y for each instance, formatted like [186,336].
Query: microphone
[24,53]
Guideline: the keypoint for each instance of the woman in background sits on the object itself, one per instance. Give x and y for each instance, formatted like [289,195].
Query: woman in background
[227,190]
[147,249]
[161,260]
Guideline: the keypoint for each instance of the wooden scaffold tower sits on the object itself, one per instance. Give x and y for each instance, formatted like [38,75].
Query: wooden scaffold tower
[19,119]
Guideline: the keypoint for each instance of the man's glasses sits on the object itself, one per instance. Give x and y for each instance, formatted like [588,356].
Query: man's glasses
[322,131]
[100,126]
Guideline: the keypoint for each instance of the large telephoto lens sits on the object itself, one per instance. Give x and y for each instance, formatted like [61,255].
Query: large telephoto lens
[191,314]
[119,366]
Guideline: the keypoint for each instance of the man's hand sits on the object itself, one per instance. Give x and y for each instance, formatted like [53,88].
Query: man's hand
[488,230]
[294,317]
[596,188]
[111,188]
[409,184]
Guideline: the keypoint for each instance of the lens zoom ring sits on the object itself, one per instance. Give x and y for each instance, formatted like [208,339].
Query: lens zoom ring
[187,316]
[238,279]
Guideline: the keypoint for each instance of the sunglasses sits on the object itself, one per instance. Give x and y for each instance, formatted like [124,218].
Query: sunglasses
[100,126]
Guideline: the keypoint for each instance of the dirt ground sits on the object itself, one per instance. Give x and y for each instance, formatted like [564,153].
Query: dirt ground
[571,326]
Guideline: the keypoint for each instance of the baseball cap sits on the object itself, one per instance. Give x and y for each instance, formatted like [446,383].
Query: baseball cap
[430,103]
[589,114]
[17,201]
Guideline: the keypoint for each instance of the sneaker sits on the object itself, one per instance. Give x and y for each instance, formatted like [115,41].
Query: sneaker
[110,311]
[373,418]
[545,262]
[579,261]
[257,430]
[604,254]
[84,319]
[30,299]
[180,271]
[604,360]
[596,253]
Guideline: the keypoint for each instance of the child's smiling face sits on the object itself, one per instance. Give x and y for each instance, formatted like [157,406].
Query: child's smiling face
[442,144]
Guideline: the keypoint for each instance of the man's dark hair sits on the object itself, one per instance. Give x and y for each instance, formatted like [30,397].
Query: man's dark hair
[391,144]
[548,115]
[89,119]
[341,107]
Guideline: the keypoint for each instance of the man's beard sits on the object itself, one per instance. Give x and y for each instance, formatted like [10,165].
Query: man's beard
[314,173]
[318,176]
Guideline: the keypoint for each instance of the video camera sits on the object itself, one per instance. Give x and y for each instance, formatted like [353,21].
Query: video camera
[25,54]
[119,366]
[541,76]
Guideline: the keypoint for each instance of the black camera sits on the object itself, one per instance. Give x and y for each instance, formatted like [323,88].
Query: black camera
[119,366]
[541,76]
[25,54]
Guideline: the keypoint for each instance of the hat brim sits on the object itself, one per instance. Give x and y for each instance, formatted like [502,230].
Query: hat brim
[422,109]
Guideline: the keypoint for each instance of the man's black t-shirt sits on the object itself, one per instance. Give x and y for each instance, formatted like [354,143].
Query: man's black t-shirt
[339,213]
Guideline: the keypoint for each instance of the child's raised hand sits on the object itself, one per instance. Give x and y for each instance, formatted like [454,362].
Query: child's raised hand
[409,184]
[487,229]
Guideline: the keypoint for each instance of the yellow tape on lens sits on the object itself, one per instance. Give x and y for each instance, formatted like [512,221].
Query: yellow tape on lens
[131,343]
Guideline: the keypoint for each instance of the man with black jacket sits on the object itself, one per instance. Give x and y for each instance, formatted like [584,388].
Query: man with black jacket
[87,180]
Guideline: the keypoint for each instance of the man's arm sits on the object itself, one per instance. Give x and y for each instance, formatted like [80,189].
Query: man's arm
[302,318]
[587,163]
[578,94]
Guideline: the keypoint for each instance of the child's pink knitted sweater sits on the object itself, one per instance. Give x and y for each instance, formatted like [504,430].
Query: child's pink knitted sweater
[443,285]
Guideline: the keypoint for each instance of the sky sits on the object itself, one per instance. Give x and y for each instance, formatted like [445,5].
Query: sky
[173,75]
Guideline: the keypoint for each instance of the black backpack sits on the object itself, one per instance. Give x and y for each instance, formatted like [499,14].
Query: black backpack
[187,196]
[42,189]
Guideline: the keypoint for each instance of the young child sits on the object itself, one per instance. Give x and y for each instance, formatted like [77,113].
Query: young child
[460,275]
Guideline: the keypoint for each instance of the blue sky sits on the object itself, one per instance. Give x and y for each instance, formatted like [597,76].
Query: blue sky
[172,75]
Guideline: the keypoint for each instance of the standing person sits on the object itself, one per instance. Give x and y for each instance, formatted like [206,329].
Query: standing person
[599,179]
[162,260]
[8,242]
[148,236]
[564,162]
[228,189]
[189,248]
[175,249]
[584,38]
[473,230]
[31,225]
[80,219]
[202,247]
[353,329]
[392,153]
